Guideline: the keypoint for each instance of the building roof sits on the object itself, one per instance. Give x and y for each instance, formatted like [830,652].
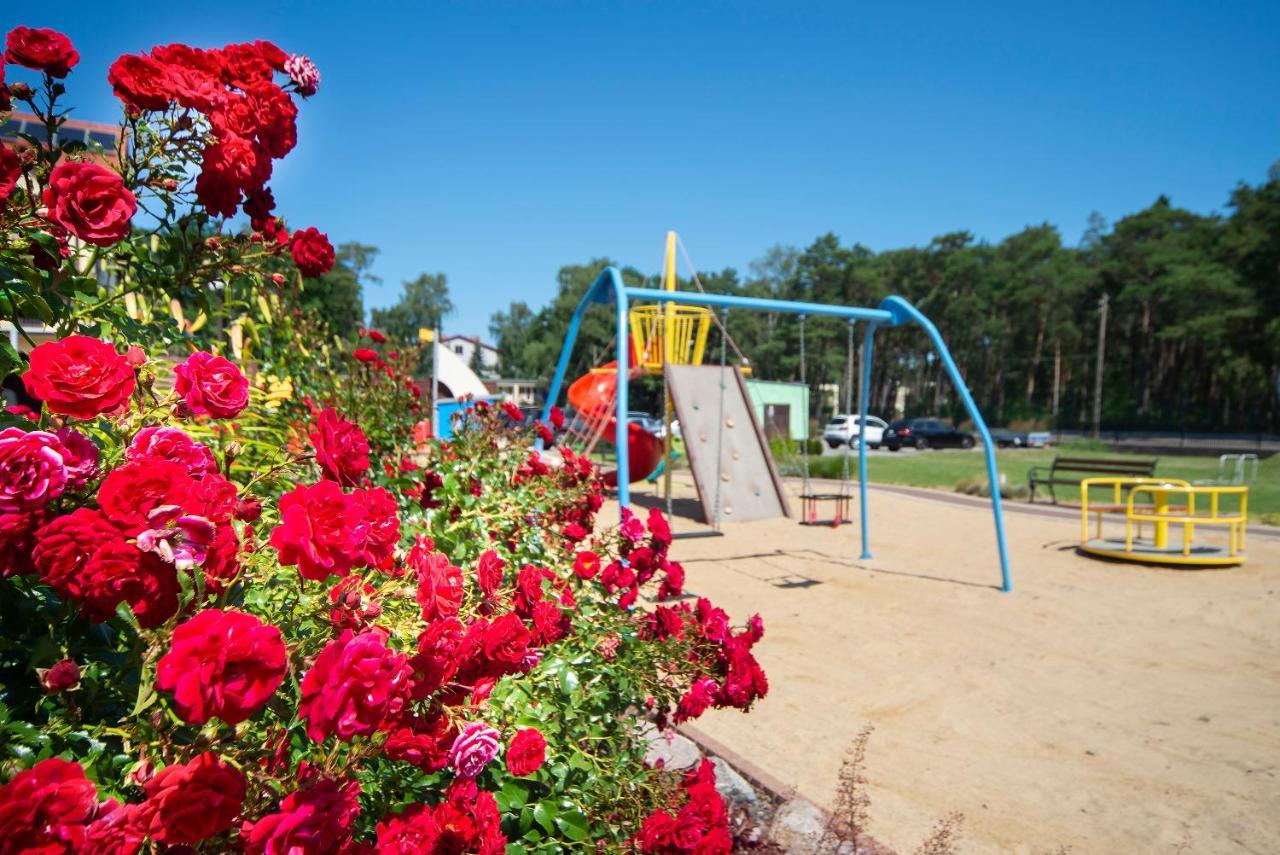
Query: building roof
[474,339]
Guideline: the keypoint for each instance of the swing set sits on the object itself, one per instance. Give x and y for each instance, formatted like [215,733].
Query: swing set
[893,311]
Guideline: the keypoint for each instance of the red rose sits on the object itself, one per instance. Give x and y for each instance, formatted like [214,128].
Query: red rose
[277,118]
[211,386]
[116,831]
[439,582]
[659,530]
[437,659]
[489,572]
[312,252]
[549,623]
[423,742]
[575,533]
[365,355]
[506,640]
[42,50]
[316,531]
[586,564]
[62,676]
[243,66]
[17,541]
[222,663]
[45,809]
[33,471]
[140,82]
[378,530]
[193,76]
[10,168]
[79,376]
[90,201]
[374,335]
[128,494]
[341,448]
[212,497]
[356,687]
[527,753]
[170,443]
[694,703]
[190,802]
[222,561]
[231,166]
[315,821]
[64,545]
[118,572]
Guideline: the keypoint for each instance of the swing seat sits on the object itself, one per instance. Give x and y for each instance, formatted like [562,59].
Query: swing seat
[809,503]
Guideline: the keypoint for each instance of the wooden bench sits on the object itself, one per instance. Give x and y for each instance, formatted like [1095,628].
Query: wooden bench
[1070,471]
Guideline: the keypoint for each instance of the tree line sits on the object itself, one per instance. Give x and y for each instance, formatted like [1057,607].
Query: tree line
[1192,339]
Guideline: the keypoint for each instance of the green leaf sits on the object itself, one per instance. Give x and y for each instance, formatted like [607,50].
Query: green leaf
[545,815]
[573,824]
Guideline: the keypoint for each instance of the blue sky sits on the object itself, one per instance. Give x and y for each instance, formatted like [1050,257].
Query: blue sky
[497,141]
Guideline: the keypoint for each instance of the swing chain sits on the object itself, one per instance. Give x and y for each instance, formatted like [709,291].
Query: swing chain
[720,419]
[804,439]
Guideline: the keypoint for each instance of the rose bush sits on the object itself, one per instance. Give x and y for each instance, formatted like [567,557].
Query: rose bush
[247,602]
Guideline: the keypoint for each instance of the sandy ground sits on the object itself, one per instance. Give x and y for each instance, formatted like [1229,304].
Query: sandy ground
[1102,707]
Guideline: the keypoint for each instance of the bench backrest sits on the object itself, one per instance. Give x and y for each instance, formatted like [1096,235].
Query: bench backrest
[1103,465]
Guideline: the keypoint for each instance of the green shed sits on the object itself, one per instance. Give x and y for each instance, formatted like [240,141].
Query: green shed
[781,408]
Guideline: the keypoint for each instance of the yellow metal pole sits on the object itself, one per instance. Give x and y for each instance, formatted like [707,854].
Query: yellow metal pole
[1161,501]
[668,334]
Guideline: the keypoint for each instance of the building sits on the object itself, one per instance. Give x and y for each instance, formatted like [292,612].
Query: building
[781,408]
[466,347]
[520,391]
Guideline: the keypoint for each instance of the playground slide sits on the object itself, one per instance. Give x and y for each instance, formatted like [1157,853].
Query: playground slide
[594,396]
[456,377]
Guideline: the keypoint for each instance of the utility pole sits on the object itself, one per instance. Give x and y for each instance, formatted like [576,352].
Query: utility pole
[1097,371]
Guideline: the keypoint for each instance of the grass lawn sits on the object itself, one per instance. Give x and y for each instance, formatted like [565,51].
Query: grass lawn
[946,469]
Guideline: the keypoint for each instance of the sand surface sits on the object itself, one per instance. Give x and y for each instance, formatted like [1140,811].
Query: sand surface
[1102,707]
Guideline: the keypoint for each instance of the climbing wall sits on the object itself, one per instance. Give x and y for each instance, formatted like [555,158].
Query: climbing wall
[745,476]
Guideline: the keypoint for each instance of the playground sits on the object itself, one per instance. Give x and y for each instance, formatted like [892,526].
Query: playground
[1103,707]
[1119,697]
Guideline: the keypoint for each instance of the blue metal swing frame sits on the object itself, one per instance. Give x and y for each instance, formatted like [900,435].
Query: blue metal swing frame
[893,311]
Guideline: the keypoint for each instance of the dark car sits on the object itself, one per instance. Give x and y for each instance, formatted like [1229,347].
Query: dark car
[1005,438]
[925,433]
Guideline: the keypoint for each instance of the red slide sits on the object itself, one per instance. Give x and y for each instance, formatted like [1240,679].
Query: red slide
[594,396]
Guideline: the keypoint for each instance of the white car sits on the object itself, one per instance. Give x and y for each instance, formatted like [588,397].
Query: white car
[842,430]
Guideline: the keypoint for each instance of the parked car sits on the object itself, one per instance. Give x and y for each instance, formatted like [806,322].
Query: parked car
[925,433]
[1005,438]
[1039,439]
[648,422]
[842,430]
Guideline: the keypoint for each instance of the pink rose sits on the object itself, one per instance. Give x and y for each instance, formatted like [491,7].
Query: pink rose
[32,469]
[211,385]
[473,749]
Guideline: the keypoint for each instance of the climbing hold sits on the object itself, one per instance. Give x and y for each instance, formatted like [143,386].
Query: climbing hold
[728,423]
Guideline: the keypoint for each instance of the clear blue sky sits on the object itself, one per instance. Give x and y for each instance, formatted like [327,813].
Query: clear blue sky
[497,141]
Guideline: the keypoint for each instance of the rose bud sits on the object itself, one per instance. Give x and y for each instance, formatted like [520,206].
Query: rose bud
[135,356]
[171,184]
[21,91]
[58,90]
[144,770]
[61,677]
[277,278]
[213,243]
[183,123]
[248,509]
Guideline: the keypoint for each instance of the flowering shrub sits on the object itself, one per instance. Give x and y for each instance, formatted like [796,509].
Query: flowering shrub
[247,603]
